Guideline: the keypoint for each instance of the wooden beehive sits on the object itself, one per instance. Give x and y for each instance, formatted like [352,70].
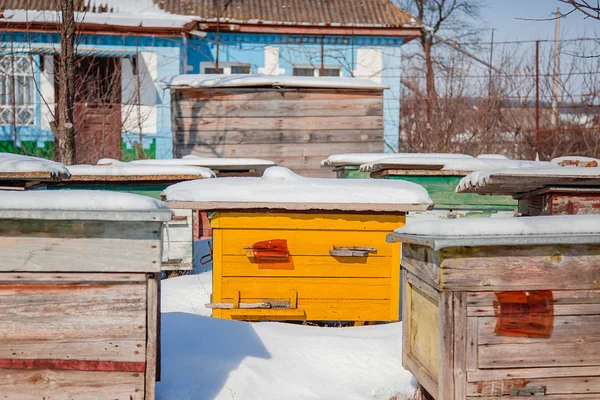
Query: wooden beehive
[79,302]
[441,185]
[503,316]
[294,121]
[289,259]
[547,191]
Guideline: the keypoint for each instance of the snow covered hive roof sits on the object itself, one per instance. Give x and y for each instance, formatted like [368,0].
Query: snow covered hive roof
[15,164]
[280,188]
[361,13]
[460,166]
[356,159]
[565,229]
[254,80]
[120,170]
[209,162]
[513,182]
[81,204]
[128,13]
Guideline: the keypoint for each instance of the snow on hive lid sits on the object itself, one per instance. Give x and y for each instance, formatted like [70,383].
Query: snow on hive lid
[81,205]
[13,165]
[461,166]
[280,188]
[275,81]
[565,229]
[111,170]
[515,181]
[356,159]
[210,162]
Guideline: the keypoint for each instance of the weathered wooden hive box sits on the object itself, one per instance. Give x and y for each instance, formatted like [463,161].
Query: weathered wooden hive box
[295,121]
[503,308]
[440,175]
[79,283]
[556,189]
[292,248]
[147,180]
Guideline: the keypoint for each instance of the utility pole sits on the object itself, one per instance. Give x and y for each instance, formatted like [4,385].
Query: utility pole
[537,98]
[64,129]
[555,112]
[491,63]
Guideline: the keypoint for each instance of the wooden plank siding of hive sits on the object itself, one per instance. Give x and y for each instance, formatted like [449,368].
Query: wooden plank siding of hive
[296,128]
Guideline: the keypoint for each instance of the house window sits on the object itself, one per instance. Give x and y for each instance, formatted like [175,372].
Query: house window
[17,91]
[312,71]
[225,68]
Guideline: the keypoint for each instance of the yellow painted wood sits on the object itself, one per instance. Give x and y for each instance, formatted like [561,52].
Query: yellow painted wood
[311,266]
[423,325]
[328,288]
[296,221]
[217,271]
[308,242]
[307,288]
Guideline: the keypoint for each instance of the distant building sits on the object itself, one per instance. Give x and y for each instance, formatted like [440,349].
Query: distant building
[126,46]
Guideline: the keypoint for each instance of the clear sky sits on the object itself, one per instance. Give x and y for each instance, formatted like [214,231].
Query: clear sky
[502,16]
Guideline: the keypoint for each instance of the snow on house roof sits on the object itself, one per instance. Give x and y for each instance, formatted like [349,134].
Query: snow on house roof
[460,165]
[515,181]
[15,163]
[209,162]
[356,159]
[565,229]
[280,188]
[132,13]
[275,81]
[81,204]
[121,169]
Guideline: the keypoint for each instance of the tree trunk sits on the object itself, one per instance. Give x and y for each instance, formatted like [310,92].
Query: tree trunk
[64,130]
[430,77]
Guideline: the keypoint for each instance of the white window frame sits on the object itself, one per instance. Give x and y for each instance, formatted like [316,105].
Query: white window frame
[21,67]
[317,70]
[224,67]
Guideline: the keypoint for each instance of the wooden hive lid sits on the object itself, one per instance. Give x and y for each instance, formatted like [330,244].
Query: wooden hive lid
[281,189]
[509,231]
[81,205]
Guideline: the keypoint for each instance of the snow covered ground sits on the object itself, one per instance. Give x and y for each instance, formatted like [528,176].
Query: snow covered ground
[205,358]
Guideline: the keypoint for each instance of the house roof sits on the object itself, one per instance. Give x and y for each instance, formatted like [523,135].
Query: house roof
[346,13]
[317,17]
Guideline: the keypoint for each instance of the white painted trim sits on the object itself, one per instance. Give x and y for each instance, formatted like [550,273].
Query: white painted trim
[47,102]
[369,64]
[271,62]
[139,111]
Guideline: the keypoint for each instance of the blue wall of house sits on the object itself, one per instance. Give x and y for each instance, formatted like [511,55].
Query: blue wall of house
[168,62]
[178,55]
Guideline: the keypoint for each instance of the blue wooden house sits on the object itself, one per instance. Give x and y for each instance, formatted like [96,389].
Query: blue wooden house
[126,46]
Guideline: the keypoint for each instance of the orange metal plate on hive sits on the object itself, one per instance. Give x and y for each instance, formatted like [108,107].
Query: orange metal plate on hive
[272,254]
[524,313]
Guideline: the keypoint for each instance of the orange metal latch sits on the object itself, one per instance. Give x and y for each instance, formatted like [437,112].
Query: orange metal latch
[524,313]
[274,250]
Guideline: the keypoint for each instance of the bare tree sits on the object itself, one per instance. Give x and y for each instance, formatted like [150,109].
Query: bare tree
[590,8]
[64,129]
[441,16]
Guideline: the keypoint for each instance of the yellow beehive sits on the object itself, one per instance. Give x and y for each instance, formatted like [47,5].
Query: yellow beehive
[278,254]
